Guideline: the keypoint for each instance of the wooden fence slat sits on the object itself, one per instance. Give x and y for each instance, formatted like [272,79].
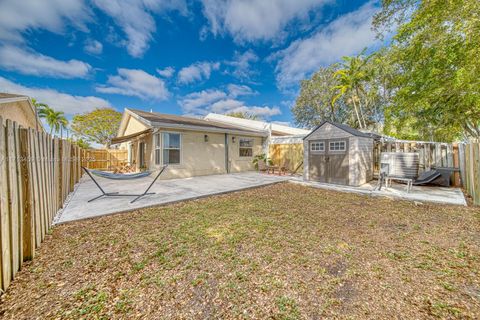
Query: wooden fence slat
[14,201]
[28,234]
[461,161]
[476,173]
[4,211]
[19,165]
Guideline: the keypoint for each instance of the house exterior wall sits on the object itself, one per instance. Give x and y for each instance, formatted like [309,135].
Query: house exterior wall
[133,126]
[237,163]
[20,112]
[199,158]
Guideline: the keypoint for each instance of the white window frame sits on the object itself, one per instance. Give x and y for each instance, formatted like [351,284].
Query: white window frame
[340,143]
[321,146]
[240,146]
[180,148]
[157,148]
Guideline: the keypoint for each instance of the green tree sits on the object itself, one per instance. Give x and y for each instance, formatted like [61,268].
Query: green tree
[243,115]
[98,126]
[314,103]
[56,120]
[352,76]
[435,55]
[81,143]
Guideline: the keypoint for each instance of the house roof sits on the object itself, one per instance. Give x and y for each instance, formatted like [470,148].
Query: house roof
[276,129]
[157,120]
[345,128]
[6,98]
[131,136]
[4,95]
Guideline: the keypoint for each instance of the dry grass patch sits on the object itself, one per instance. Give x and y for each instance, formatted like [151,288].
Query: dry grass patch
[281,252]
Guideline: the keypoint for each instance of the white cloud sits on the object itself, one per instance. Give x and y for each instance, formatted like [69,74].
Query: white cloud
[197,71]
[241,64]
[166,72]
[136,19]
[251,20]
[93,46]
[203,102]
[236,90]
[346,35]
[135,82]
[232,105]
[34,63]
[193,101]
[17,17]
[70,104]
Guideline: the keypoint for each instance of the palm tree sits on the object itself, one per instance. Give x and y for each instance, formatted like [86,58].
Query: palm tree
[56,120]
[351,77]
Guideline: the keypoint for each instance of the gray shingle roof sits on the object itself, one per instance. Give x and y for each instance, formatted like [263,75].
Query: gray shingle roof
[155,117]
[345,128]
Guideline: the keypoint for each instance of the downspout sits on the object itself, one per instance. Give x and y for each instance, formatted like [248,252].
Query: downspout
[269,140]
[226,154]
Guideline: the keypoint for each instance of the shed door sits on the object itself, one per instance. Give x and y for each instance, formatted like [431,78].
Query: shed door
[337,159]
[317,163]
[328,161]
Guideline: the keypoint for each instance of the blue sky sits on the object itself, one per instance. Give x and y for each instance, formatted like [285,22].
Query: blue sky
[175,56]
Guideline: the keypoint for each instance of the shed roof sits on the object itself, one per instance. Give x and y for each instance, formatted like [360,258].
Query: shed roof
[345,128]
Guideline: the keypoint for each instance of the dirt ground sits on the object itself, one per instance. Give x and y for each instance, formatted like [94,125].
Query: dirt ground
[279,252]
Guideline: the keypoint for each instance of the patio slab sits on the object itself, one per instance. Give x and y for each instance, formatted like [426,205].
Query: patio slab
[167,191]
[418,193]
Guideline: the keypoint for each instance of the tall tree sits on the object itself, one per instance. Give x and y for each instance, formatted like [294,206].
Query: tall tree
[56,120]
[314,103]
[39,107]
[97,126]
[435,54]
[352,75]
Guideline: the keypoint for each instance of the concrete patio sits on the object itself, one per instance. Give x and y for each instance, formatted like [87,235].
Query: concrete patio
[77,206]
[433,194]
[167,191]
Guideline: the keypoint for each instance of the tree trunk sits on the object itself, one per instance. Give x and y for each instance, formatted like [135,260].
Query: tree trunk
[360,107]
[356,112]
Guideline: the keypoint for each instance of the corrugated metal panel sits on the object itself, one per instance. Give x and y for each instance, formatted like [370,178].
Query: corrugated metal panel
[400,164]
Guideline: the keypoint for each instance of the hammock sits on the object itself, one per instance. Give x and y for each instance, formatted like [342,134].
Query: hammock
[118,176]
[121,176]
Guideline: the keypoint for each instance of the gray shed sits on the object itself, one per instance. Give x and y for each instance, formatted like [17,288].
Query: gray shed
[337,153]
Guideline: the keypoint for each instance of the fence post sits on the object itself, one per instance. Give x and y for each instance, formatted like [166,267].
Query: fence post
[28,235]
[4,214]
[13,195]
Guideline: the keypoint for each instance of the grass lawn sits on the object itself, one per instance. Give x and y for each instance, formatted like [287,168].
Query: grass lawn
[281,252]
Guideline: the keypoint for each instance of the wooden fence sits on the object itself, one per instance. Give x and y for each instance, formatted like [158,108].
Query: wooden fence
[103,159]
[279,153]
[430,155]
[471,178]
[37,172]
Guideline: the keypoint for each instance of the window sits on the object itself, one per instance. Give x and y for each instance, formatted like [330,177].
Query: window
[317,146]
[337,146]
[246,147]
[158,148]
[171,148]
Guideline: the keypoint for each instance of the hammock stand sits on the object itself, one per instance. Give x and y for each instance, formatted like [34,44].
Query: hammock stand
[116,176]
